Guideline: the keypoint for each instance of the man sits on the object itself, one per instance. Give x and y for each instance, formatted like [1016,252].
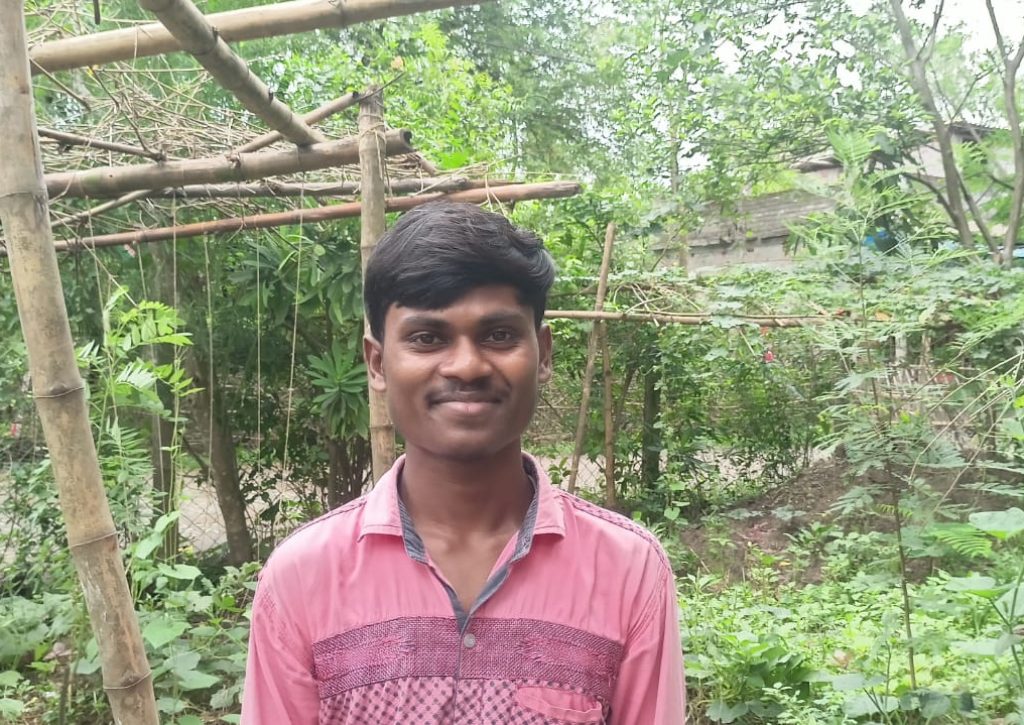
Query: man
[464,589]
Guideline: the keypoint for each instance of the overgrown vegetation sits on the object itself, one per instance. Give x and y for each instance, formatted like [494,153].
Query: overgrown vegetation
[834,459]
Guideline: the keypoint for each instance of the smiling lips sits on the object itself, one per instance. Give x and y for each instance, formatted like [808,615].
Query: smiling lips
[468,403]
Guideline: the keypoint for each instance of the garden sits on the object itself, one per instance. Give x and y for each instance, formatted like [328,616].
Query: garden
[788,324]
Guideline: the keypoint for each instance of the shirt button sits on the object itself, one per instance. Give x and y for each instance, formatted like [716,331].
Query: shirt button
[469,641]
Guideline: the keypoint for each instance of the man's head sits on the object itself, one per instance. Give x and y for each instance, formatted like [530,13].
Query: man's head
[438,252]
[455,298]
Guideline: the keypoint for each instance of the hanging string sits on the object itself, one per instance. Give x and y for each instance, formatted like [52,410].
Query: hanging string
[295,328]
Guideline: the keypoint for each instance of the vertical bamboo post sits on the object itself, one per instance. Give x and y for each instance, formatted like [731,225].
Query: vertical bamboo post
[372,221]
[58,388]
[610,498]
[588,372]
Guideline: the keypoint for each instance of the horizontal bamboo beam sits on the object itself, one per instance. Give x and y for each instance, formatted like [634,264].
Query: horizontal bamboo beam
[198,38]
[113,180]
[672,318]
[520,192]
[340,188]
[73,139]
[264,21]
[315,116]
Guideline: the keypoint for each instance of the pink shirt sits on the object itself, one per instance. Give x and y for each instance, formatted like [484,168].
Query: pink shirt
[578,623]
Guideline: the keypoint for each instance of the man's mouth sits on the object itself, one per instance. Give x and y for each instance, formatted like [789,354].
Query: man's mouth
[467,403]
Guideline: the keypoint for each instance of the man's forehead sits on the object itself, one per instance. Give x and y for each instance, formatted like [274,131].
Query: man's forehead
[486,302]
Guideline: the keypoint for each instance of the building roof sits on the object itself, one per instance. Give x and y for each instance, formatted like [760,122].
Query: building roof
[759,218]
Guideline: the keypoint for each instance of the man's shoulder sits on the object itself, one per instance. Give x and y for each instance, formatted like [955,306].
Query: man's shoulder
[313,540]
[608,528]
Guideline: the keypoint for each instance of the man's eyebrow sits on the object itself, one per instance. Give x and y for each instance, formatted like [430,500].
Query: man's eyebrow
[423,320]
[502,317]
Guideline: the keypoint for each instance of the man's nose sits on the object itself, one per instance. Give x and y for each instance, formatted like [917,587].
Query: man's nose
[465,361]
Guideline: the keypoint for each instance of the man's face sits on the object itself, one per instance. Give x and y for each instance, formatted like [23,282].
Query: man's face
[462,381]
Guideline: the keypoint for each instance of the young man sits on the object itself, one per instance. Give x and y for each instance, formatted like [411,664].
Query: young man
[464,589]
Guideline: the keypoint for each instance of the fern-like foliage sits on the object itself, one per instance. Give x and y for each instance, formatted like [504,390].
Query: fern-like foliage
[964,539]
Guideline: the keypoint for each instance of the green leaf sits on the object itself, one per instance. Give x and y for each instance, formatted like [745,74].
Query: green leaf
[163,629]
[934,704]
[721,711]
[982,586]
[185,572]
[861,705]
[1000,524]
[196,680]
[852,681]
[1011,604]
[182,663]
[987,647]
[10,707]
[189,720]
[10,678]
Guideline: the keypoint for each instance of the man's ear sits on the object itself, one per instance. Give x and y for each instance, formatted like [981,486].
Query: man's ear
[373,354]
[544,347]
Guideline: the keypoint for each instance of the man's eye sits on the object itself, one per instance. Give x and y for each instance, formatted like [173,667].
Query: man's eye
[425,339]
[501,336]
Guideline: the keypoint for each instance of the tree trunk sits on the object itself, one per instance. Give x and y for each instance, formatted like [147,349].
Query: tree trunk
[59,391]
[610,498]
[211,420]
[372,218]
[588,371]
[165,474]
[651,437]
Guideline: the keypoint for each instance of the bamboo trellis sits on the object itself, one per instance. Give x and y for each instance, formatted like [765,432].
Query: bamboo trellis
[24,213]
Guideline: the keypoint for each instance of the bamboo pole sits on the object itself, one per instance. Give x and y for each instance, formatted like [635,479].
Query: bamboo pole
[610,497]
[329,108]
[74,139]
[588,371]
[315,116]
[671,318]
[59,391]
[108,180]
[264,21]
[372,225]
[198,38]
[270,188]
[521,192]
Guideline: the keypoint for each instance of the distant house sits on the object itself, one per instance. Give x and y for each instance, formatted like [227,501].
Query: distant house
[756,229]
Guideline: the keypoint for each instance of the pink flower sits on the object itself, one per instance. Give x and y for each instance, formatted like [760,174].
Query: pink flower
[768,356]
[15,430]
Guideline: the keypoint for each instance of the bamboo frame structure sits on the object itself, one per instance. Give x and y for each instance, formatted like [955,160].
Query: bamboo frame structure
[260,189]
[264,21]
[107,180]
[315,116]
[372,225]
[519,192]
[73,139]
[588,371]
[701,318]
[198,38]
[59,390]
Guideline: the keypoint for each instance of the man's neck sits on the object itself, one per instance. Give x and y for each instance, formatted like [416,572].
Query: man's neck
[472,498]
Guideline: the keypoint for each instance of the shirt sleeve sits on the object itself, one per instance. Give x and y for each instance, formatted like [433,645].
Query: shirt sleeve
[279,684]
[651,687]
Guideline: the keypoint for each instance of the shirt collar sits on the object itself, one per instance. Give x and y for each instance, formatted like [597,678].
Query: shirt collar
[382,513]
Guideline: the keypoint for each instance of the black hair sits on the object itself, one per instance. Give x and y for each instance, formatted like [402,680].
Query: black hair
[441,251]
